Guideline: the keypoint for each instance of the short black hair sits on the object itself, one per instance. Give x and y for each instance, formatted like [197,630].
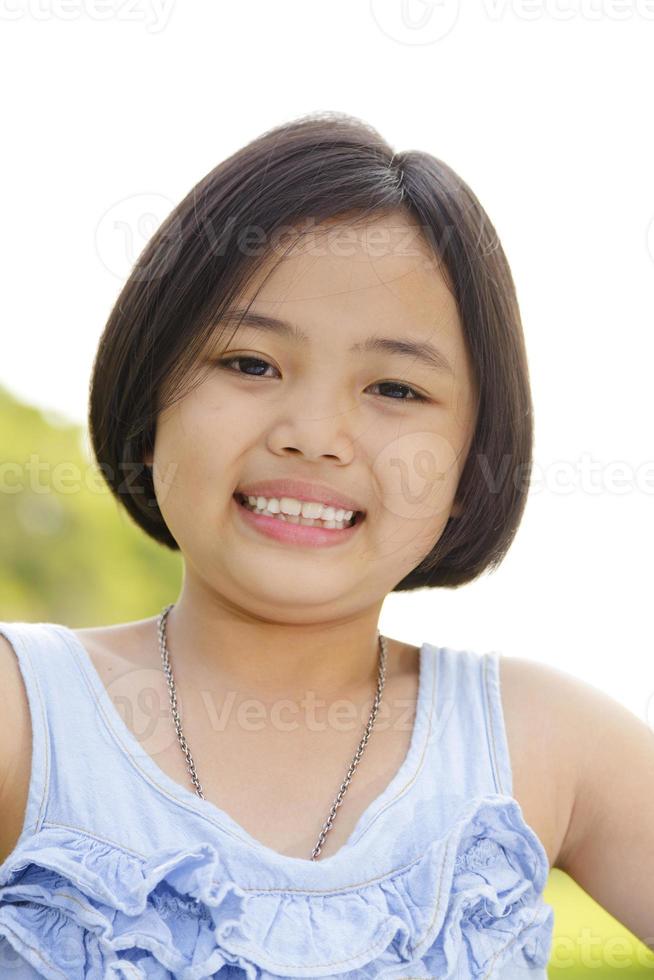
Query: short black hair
[322,166]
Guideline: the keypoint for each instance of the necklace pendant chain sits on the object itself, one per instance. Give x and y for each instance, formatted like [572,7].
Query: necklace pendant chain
[381,679]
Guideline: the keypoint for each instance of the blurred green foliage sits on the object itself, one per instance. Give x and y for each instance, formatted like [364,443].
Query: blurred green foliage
[588,943]
[70,554]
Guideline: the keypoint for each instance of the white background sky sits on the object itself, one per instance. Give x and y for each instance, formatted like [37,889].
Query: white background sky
[117,109]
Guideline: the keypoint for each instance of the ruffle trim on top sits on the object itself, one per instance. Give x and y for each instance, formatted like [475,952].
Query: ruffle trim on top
[74,907]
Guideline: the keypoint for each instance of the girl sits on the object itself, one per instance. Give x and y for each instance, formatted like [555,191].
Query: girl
[310,386]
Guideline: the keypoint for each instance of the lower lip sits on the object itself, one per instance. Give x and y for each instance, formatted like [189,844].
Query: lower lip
[300,534]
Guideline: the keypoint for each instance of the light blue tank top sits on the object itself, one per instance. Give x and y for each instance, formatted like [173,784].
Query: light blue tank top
[122,873]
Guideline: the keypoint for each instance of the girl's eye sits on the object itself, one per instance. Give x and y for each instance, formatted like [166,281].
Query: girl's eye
[415,396]
[227,363]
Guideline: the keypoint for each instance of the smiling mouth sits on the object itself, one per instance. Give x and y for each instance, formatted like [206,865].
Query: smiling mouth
[240,498]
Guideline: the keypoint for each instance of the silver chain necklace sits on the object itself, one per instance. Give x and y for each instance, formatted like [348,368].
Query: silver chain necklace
[163,646]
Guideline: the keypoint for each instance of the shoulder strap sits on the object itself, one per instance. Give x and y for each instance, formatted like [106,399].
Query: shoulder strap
[75,758]
[495,723]
[469,734]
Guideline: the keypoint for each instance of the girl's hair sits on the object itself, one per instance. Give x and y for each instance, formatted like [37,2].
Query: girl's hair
[322,166]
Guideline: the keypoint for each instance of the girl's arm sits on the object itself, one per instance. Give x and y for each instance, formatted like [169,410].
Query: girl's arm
[609,845]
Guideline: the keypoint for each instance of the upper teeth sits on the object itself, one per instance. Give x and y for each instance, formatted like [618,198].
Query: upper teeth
[306,508]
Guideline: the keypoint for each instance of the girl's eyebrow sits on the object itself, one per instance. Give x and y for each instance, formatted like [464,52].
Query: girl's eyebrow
[415,350]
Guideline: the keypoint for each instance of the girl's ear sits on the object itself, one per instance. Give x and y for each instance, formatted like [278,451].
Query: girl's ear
[148,460]
[456,509]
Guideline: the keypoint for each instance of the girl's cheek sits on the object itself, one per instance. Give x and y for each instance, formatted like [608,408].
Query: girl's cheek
[418,476]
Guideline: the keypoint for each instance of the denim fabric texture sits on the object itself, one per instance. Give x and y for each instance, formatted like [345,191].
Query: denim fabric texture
[122,873]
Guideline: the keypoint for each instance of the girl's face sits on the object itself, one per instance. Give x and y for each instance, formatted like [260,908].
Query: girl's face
[389,430]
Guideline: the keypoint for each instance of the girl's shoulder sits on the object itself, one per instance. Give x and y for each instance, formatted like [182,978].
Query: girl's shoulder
[130,642]
[538,704]
[15,748]
[112,650]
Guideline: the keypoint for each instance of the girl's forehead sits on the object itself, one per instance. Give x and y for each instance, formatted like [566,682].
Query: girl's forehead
[395,278]
[380,240]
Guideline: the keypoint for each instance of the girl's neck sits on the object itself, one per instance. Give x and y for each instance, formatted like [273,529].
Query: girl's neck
[215,648]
